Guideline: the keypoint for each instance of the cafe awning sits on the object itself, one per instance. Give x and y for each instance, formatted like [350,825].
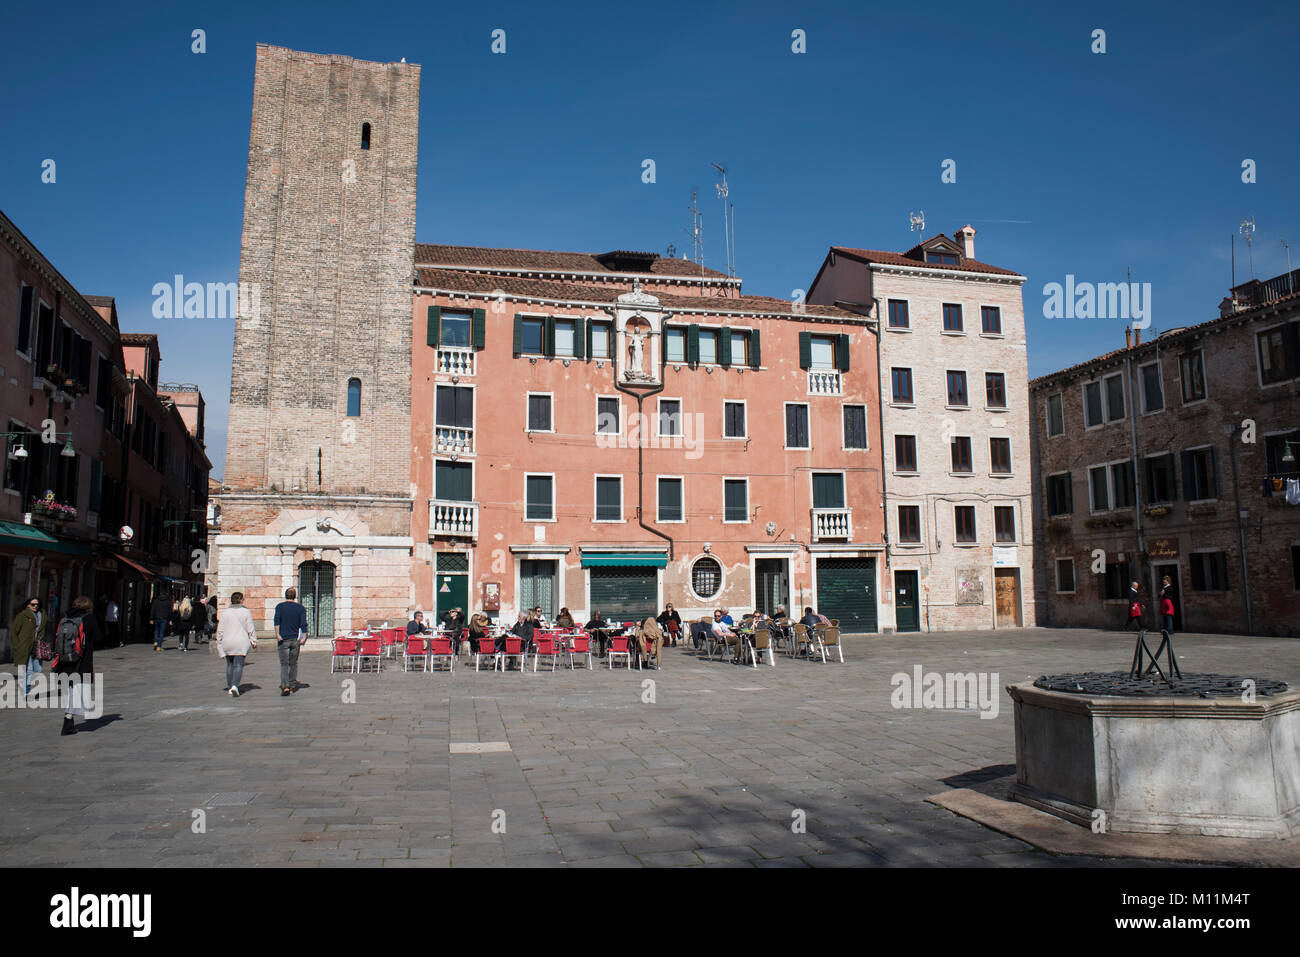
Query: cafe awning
[136,565]
[598,559]
[18,535]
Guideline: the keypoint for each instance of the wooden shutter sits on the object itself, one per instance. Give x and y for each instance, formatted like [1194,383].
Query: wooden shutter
[435,323]
[548,336]
[693,344]
[519,333]
[842,353]
[1189,476]
[755,357]
[1069,493]
[1217,489]
[580,338]
[805,350]
[586,338]
[724,346]
[479,335]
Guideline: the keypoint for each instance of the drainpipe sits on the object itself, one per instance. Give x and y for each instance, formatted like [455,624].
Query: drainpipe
[640,397]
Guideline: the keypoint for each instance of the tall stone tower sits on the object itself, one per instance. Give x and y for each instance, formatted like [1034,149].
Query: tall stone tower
[318,452]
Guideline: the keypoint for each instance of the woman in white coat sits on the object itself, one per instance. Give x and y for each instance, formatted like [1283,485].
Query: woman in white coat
[235,635]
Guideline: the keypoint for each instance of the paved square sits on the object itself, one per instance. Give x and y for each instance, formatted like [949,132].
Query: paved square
[717,769]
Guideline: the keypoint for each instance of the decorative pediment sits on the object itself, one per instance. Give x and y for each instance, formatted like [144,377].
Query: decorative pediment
[317,526]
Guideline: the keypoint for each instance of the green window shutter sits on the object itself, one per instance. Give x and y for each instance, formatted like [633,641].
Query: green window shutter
[585,339]
[755,357]
[805,350]
[842,353]
[579,338]
[693,344]
[480,331]
[435,320]
[519,333]
[724,347]
[548,336]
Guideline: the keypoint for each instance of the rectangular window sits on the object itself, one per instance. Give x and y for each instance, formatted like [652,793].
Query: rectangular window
[855,426]
[1153,391]
[1200,475]
[104,388]
[991,320]
[1160,482]
[898,318]
[1092,405]
[957,389]
[909,524]
[905,453]
[1060,494]
[1122,485]
[1191,368]
[828,489]
[457,330]
[1055,415]
[1004,523]
[1065,576]
[1000,456]
[1114,582]
[1275,452]
[733,420]
[564,337]
[1114,398]
[952,321]
[735,494]
[995,390]
[670,417]
[902,385]
[739,346]
[539,413]
[670,500]
[532,337]
[539,498]
[1209,571]
[964,520]
[1276,361]
[25,301]
[601,341]
[961,457]
[96,485]
[44,338]
[1099,483]
[674,344]
[709,346]
[609,498]
[823,352]
[607,416]
[943,259]
[796,426]
[454,407]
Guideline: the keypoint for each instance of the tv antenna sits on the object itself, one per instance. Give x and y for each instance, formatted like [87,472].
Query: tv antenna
[1248,230]
[918,222]
[728,219]
[696,231]
[1290,276]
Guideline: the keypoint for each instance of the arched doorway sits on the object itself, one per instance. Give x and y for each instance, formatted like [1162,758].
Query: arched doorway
[316,592]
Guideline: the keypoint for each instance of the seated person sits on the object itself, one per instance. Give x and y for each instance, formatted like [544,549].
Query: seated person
[722,632]
[726,617]
[524,628]
[479,630]
[564,619]
[599,629]
[416,625]
[810,619]
[650,641]
[538,618]
[671,623]
[453,621]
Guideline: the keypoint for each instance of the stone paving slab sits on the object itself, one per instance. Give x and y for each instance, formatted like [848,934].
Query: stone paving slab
[699,764]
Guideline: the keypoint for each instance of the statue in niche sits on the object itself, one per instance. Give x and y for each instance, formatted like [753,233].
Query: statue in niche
[637,332]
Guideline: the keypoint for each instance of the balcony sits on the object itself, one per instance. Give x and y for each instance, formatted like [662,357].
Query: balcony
[455,519]
[832,523]
[455,362]
[825,382]
[456,441]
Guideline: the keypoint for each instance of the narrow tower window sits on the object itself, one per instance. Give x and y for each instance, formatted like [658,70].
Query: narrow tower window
[365,136]
[354,398]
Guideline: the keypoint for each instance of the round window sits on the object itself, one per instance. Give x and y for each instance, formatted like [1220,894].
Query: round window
[706,577]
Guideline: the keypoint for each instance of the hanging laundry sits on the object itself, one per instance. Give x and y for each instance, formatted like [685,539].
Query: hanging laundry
[1293,491]
[1278,485]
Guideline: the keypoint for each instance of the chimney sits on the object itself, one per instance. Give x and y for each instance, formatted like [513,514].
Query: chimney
[966,236]
[1137,335]
[1128,338]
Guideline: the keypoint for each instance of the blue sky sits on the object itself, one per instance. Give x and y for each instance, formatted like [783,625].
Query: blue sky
[1125,160]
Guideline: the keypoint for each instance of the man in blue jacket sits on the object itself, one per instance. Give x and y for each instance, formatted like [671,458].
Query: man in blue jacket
[290,632]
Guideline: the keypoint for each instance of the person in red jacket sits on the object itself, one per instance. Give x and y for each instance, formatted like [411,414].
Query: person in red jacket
[1135,607]
[1167,605]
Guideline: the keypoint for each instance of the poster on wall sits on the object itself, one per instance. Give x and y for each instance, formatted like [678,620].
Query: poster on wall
[970,586]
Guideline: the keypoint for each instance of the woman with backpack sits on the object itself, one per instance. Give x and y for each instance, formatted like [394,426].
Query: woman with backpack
[68,660]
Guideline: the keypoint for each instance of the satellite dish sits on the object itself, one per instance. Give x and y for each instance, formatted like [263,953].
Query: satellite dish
[127,533]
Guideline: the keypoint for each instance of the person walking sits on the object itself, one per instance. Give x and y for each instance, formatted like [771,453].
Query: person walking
[22,637]
[159,611]
[210,619]
[671,623]
[185,623]
[291,631]
[72,660]
[1135,607]
[235,636]
[111,624]
[650,641]
[1167,610]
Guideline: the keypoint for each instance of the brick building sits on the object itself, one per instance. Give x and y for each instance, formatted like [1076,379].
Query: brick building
[1161,459]
[954,411]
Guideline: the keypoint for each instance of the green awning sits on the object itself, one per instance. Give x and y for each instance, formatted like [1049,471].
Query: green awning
[18,535]
[597,559]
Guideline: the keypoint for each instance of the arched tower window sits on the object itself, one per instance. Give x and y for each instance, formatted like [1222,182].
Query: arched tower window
[365,136]
[354,398]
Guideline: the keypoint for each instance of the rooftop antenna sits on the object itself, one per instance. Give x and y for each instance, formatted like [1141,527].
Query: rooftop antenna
[723,191]
[1248,230]
[696,231]
[918,222]
[1290,276]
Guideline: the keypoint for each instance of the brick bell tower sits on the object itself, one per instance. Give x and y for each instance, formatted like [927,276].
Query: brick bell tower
[317,491]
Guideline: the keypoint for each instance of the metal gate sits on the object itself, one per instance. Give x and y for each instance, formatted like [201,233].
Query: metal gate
[846,589]
[316,592]
[624,593]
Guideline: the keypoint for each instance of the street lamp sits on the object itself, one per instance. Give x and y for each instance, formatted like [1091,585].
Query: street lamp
[16,450]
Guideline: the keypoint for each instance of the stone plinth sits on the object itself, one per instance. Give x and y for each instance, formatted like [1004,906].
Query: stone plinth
[1177,765]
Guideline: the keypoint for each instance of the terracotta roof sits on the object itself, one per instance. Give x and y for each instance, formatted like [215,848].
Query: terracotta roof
[139,339]
[486,283]
[427,254]
[886,258]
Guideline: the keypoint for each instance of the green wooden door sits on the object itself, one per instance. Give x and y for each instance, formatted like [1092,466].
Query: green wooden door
[846,589]
[907,601]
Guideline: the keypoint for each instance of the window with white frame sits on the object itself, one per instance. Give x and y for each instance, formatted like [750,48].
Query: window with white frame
[669,507]
[539,412]
[735,500]
[539,498]
[733,420]
[670,417]
[609,498]
[607,417]
[1153,390]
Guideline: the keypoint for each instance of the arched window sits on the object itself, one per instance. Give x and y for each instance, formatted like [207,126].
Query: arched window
[365,136]
[354,398]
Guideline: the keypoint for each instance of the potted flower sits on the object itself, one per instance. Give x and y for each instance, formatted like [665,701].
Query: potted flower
[1156,511]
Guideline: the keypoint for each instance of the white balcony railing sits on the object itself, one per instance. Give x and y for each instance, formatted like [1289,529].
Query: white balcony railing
[453,518]
[454,440]
[823,382]
[832,523]
[455,361]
